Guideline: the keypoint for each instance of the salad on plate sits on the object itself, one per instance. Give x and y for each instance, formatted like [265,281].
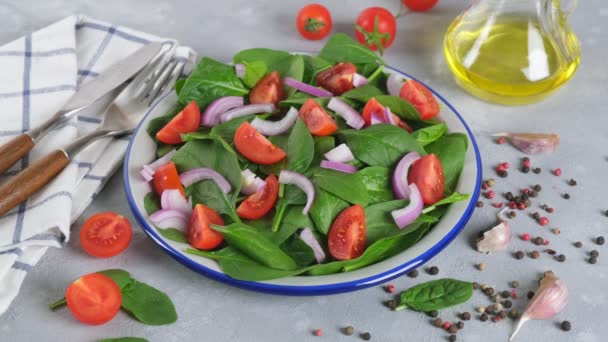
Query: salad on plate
[287,164]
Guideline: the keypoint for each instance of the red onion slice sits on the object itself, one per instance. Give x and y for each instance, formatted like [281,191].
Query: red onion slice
[359,80]
[173,199]
[196,175]
[306,88]
[400,186]
[341,167]
[240,70]
[407,215]
[170,218]
[250,182]
[348,113]
[309,239]
[257,108]
[290,177]
[394,83]
[212,114]
[270,128]
[340,154]
[151,168]
[388,116]
[376,119]
[146,174]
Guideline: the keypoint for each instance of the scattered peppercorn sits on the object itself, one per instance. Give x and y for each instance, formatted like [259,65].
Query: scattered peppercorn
[537,187]
[519,255]
[452,338]
[485,186]
[528,203]
[536,215]
[509,196]
[433,313]
[496,319]
[556,231]
[513,314]
[318,332]
[537,170]
[460,325]
[505,294]
[482,266]
[391,304]
[508,304]
[497,204]
[594,253]
[550,210]
[489,291]
[366,336]
[521,206]
[349,330]
[475,285]
[490,182]
[518,199]
[600,240]
[543,221]
[512,205]
[557,172]
[491,309]
[533,193]
[437,322]
[561,258]
[578,244]
[606,213]
[390,288]
[525,160]
[566,196]
[538,241]
[434,270]
[530,294]
[453,329]
[572,182]
[550,251]
[483,317]
[501,140]
[514,284]
[592,260]
[525,169]
[481,309]
[484,287]
[479,204]
[498,306]
[502,174]
[412,274]
[511,214]
[525,237]
[446,325]
[501,314]
[534,255]
[465,316]
[490,194]
[566,326]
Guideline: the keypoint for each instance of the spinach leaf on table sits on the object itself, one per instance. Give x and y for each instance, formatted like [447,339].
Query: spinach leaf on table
[254,71]
[377,180]
[451,150]
[363,93]
[268,56]
[325,209]
[348,187]
[435,295]
[430,134]
[298,250]
[147,304]
[124,339]
[342,48]
[151,203]
[400,107]
[120,277]
[209,81]
[381,144]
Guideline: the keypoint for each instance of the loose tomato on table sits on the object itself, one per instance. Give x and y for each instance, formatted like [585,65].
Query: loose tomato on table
[166,177]
[317,120]
[346,238]
[427,174]
[94,298]
[269,89]
[376,28]
[420,5]
[421,98]
[184,122]
[105,234]
[337,79]
[200,233]
[259,204]
[373,106]
[314,22]
[256,147]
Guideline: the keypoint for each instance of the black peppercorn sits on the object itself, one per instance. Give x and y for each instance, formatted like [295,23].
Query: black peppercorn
[578,244]
[538,241]
[517,199]
[566,326]
[513,314]
[537,187]
[366,336]
[489,291]
[460,325]
[530,294]
[507,304]
[505,294]
[536,215]
[479,204]
[475,285]
[509,196]
[525,169]
[437,322]
[519,255]
[537,170]
[600,240]
[501,314]
[534,254]
[453,329]
[391,304]
[452,338]
[483,317]
[561,258]
[512,214]
[594,253]
[566,196]
[503,173]
[572,182]
[433,313]
[412,274]
[465,316]
[592,260]
[524,197]
[533,193]
[433,270]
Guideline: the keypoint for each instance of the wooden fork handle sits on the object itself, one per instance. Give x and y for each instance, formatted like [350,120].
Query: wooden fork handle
[20,187]
[14,150]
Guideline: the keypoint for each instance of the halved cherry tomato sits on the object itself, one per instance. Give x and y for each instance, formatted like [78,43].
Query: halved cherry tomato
[200,233]
[337,79]
[269,89]
[316,119]
[314,22]
[186,121]
[373,106]
[427,174]
[421,98]
[94,298]
[255,147]
[376,28]
[105,234]
[166,177]
[346,238]
[420,5]
[259,204]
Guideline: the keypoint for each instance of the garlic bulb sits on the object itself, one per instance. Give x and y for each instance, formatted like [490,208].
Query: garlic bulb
[497,238]
[532,143]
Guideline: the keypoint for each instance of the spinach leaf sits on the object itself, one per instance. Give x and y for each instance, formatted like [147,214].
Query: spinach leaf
[156,124]
[164,149]
[293,219]
[348,187]
[377,180]
[312,66]
[124,339]
[325,209]
[268,56]
[298,250]
[322,146]
[290,66]
[254,71]
[288,195]
[455,197]
[209,81]
[209,194]
[300,148]
[363,93]
[381,144]
[151,203]
[399,106]
[342,48]
[239,266]
[173,234]
[179,84]
[451,150]
[429,134]
[257,246]
[435,295]
[298,99]
[147,304]
[227,129]
[380,223]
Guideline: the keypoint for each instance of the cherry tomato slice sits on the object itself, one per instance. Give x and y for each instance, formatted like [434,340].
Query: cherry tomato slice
[337,79]
[420,5]
[317,120]
[186,121]
[373,106]
[94,298]
[259,204]
[421,98]
[105,234]
[200,233]
[255,147]
[346,238]
[314,22]
[427,174]
[376,28]
[269,89]
[166,177]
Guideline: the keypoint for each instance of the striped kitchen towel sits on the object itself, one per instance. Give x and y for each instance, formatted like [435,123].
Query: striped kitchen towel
[38,74]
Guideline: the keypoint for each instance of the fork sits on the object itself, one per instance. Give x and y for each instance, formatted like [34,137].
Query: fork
[145,88]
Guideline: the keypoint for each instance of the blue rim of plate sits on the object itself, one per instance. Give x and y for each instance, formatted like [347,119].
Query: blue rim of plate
[310,290]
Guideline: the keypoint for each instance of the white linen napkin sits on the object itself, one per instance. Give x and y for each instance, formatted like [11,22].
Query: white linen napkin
[38,74]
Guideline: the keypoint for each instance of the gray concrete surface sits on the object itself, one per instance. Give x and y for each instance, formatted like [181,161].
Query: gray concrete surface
[211,311]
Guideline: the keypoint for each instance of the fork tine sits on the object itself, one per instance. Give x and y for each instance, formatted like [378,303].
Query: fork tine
[148,72]
[152,75]
[166,80]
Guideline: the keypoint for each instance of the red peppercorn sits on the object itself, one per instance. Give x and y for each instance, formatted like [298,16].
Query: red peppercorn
[557,172]
[513,294]
[447,325]
[497,204]
[390,288]
[512,205]
[506,165]
[543,221]
[490,194]
[525,237]
[550,210]
[501,140]
[521,206]
[485,186]
[526,163]
[525,191]
[545,242]
[500,168]
[318,332]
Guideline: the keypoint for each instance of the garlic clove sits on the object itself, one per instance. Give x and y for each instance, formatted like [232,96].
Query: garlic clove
[497,238]
[550,298]
[532,143]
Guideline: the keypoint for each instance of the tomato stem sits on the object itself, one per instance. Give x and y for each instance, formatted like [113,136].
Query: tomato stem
[375,38]
[58,304]
[313,25]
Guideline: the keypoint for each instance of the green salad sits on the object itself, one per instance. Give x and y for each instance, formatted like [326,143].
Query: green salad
[288,164]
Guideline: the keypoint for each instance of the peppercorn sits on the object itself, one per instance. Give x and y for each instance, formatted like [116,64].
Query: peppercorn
[391,304]
[481,309]
[434,270]
[525,169]
[475,285]
[537,240]
[537,170]
[366,336]
[502,173]
[557,172]
[524,197]
[483,317]
[460,325]
[578,244]
[508,304]
[533,193]
[491,309]
[534,255]
[594,253]
[536,215]
[519,255]
[483,287]
[525,160]
[600,240]
[550,251]
[465,316]
[592,260]
[550,210]
[437,322]
[517,199]
[490,182]
[556,231]
[521,206]
[512,214]
[489,291]
[561,258]
[496,319]
[498,306]
[485,186]
[528,203]
[537,187]
[501,314]
[513,314]
[606,213]
[479,204]
[530,294]
[453,329]
[509,196]
[318,332]
[452,338]
[525,237]
[433,313]
[349,330]
[566,326]
[567,196]
[481,266]
[446,325]
[572,182]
